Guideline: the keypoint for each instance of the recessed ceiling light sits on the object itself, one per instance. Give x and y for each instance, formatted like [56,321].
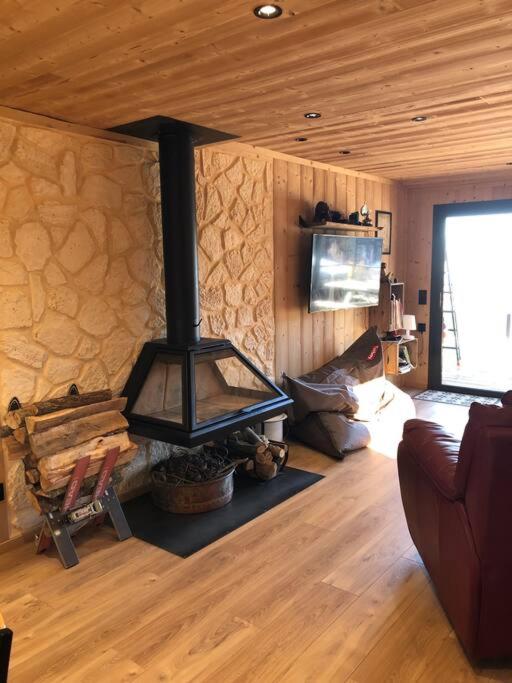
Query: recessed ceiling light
[312,115]
[268,11]
[300,139]
[418,119]
[345,151]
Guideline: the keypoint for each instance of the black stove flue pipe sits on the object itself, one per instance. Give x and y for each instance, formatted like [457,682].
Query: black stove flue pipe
[177,178]
[177,140]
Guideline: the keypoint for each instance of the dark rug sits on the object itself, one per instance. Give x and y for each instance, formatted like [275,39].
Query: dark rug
[184,535]
[456,399]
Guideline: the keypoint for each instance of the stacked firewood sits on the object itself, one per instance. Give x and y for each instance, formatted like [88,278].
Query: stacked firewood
[50,436]
[261,458]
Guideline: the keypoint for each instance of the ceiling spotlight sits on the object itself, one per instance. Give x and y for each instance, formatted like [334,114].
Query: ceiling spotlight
[268,11]
[418,119]
[312,115]
[300,139]
[345,151]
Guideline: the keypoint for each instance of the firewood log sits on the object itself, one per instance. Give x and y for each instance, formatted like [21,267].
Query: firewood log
[39,423]
[276,451]
[15,418]
[5,431]
[32,476]
[34,500]
[14,450]
[264,458]
[95,448]
[78,431]
[251,436]
[58,479]
[246,448]
[267,471]
[20,434]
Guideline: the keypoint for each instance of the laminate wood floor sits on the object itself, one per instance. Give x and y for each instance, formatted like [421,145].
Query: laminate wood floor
[325,587]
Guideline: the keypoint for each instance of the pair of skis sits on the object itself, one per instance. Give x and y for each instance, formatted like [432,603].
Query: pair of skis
[61,525]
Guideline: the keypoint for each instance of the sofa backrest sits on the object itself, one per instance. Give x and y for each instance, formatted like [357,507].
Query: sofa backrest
[484,474]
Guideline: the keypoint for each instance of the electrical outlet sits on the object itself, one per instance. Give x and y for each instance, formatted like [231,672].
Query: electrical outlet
[422,327]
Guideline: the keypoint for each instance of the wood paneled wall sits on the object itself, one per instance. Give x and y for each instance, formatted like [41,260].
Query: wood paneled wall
[421,200]
[303,340]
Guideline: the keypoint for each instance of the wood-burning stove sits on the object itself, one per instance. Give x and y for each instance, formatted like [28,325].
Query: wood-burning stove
[185,389]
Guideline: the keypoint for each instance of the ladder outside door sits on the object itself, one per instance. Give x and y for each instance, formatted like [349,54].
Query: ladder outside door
[449,310]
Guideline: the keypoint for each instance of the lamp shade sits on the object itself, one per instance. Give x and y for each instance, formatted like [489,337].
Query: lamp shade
[409,322]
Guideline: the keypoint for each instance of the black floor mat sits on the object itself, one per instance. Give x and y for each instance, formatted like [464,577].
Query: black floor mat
[186,534]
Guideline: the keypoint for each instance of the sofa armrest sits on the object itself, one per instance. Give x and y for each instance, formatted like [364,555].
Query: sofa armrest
[435,451]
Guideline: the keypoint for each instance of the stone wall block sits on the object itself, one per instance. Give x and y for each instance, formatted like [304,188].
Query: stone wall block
[12,272]
[16,381]
[15,308]
[116,350]
[120,239]
[78,249]
[58,333]
[96,317]
[37,295]
[32,245]
[35,159]
[98,190]
[67,174]
[18,347]
[97,224]
[64,300]
[54,275]
[96,156]
[7,135]
[93,377]
[44,189]
[59,370]
[19,204]
[55,214]
[92,277]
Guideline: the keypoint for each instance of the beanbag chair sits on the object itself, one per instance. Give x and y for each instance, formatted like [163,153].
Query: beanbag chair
[332,402]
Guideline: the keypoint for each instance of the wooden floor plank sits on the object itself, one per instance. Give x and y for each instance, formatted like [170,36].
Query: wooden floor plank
[325,587]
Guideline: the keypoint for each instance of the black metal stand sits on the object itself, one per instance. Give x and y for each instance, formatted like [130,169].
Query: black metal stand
[59,528]
[61,525]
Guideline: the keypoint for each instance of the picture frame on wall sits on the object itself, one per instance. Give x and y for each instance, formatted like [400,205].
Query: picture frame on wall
[383,219]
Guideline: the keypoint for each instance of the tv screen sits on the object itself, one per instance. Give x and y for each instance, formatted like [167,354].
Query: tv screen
[345,272]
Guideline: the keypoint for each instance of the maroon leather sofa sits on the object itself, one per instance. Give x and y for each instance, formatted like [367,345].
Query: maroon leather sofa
[457,498]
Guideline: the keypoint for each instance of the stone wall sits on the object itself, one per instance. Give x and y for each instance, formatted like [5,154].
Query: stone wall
[81,266]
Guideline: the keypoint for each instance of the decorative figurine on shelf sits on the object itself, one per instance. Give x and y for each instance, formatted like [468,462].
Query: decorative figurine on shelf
[322,212]
[353,218]
[365,213]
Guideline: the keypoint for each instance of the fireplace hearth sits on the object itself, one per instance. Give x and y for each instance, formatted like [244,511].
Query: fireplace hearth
[184,389]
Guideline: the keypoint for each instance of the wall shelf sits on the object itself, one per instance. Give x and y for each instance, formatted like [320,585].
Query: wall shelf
[391,350]
[345,227]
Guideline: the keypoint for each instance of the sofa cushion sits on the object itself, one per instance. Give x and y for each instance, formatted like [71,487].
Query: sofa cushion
[362,361]
[480,417]
[435,451]
[332,433]
[313,398]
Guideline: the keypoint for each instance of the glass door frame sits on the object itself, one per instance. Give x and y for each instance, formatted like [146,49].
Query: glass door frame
[441,213]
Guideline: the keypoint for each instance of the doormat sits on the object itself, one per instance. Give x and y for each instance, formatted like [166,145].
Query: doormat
[456,399]
[184,535]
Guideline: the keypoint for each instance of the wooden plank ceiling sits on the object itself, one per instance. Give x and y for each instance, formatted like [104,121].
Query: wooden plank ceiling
[368,66]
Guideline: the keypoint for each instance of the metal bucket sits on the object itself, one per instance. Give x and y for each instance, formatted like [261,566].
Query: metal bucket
[186,499]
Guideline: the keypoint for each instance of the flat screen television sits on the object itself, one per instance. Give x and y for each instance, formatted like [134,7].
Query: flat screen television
[345,272]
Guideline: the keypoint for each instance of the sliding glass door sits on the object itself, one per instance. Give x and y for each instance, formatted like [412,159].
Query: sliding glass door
[471,298]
